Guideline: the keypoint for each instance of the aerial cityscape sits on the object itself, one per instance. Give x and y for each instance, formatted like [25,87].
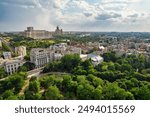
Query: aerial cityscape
[75,50]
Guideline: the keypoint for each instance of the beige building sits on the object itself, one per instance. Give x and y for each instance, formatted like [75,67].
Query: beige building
[41,34]
[73,50]
[37,34]
[21,51]
[2,62]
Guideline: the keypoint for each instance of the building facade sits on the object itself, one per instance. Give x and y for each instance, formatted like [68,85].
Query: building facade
[37,34]
[21,51]
[12,66]
[41,34]
[39,57]
[7,55]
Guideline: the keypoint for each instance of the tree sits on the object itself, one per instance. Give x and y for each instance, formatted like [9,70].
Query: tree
[65,83]
[52,67]
[85,92]
[2,73]
[32,93]
[79,71]
[111,56]
[97,94]
[111,66]
[9,95]
[27,67]
[53,93]
[114,92]
[146,71]
[144,93]
[22,69]
[126,67]
[14,82]
[34,86]
[69,62]
[107,75]
[47,81]
[86,64]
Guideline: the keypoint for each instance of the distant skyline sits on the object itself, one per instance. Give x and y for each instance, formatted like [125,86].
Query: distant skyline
[76,15]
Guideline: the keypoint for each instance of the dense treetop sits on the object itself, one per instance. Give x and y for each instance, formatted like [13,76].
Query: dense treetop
[117,78]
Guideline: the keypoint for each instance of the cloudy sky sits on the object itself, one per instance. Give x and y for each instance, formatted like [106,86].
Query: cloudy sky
[75,15]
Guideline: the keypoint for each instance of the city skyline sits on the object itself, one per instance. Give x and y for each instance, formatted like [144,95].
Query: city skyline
[76,15]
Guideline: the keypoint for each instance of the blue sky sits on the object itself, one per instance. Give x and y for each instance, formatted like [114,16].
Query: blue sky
[75,15]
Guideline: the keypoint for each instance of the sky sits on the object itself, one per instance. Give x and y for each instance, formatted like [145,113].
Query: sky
[76,15]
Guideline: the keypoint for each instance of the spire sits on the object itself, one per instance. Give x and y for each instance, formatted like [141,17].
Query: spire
[57,27]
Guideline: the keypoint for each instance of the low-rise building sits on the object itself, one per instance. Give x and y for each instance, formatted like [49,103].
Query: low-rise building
[96,59]
[11,66]
[73,50]
[7,55]
[21,51]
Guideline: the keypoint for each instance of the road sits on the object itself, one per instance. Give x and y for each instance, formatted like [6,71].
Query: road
[35,72]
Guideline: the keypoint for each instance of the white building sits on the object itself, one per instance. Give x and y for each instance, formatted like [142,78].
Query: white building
[96,59]
[7,55]
[40,57]
[21,51]
[11,66]
[57,56]
[59,48]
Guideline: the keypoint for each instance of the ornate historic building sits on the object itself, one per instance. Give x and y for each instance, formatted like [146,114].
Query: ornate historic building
[37,34]
[41,34]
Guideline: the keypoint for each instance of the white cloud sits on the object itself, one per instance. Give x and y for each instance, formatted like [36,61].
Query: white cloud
[79,13]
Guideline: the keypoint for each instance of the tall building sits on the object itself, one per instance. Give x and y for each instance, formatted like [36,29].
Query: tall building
[21,51]
[39,57]
[37,34]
